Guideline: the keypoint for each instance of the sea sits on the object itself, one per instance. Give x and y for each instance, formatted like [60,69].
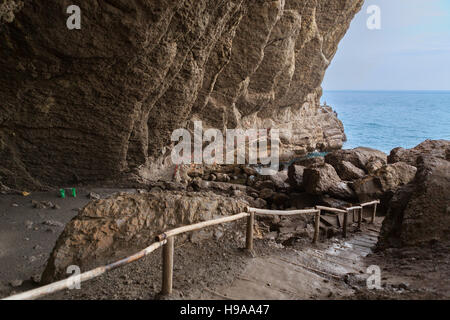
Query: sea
[387,119]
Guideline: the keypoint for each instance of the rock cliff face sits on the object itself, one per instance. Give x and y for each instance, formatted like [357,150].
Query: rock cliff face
[101,103]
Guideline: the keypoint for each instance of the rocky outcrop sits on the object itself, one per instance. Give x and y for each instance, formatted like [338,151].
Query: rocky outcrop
[100,103]
[361,157]
[323,179]
[383,183]
[123,224]
[394,175]
[435,148]
[419,213]
[348,171]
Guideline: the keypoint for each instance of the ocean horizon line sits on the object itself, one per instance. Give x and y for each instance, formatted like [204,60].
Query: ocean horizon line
[371,90]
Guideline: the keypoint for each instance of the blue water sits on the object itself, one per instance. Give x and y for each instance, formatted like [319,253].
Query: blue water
[387,119]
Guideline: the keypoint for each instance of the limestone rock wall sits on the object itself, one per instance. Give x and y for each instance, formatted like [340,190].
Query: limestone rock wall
[100,103]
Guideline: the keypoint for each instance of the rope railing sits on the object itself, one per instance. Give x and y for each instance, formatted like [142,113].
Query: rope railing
[167,239]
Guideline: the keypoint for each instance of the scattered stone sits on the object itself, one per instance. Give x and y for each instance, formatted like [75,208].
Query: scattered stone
[218,234]
[237,193]
[280,180]
[29,224]
[16,283]
[4,189]
[222,177]
[196,171]
[93,196]
[271,235]
[258,203]
[36,279]
[41,204]
[53,223]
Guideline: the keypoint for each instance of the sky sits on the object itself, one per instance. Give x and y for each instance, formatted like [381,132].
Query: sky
[411,51]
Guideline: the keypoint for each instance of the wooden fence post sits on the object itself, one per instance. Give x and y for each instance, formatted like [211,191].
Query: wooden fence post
[249,238]
[167,256]
[360,213]
[344,227]
[317,227]
[374,213]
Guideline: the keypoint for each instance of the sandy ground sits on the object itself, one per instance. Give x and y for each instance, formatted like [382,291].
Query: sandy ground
[27,234]
[212,269]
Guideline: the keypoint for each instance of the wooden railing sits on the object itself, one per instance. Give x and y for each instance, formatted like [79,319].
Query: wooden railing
[167,239]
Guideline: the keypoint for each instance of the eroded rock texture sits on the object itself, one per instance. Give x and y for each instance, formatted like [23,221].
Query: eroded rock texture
[419,212]
[101,103]
[120,225]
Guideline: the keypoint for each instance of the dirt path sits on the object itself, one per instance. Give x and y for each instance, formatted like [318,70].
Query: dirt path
[220,269]
[306,273]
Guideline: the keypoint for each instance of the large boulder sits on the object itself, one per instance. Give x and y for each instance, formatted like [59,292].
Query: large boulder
[435,148]
[323,179]
[394,175]
[320,178]
[280,180]
[348,171]
[359,157]
[384,182]
[112,228]
[419,213]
